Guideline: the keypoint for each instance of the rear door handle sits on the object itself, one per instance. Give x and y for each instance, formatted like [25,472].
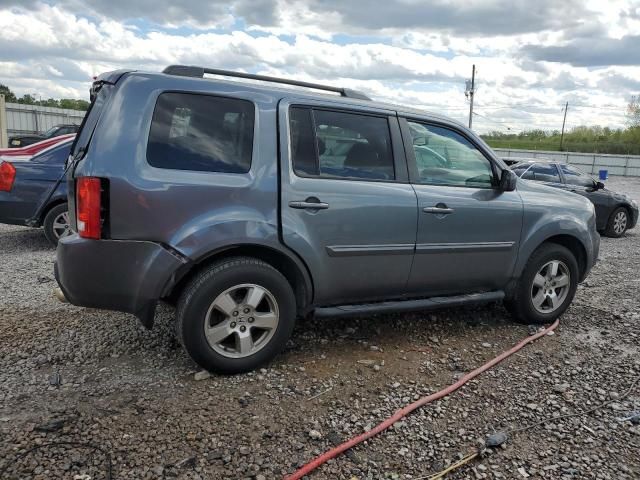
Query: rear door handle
[309,205]
[438,210]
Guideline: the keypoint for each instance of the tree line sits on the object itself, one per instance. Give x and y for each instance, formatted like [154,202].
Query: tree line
[579,139]
[28,99]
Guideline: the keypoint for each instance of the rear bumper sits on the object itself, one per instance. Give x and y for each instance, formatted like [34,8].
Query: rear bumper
[128,276]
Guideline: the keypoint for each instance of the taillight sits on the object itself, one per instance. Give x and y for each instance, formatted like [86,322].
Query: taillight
[88,194]
[7,176]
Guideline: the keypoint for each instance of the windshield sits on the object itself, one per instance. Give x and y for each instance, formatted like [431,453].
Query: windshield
[49,133]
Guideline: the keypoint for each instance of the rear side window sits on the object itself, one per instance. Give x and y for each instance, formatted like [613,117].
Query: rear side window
[201,133]
[340,145]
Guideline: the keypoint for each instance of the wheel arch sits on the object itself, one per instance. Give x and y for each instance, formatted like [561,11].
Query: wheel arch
[54,202]
[575,246]
[293,269]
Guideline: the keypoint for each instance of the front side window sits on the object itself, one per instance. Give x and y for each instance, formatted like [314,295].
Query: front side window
[201,133]
[543,172]
[340,145]
[574,176]
[444,157]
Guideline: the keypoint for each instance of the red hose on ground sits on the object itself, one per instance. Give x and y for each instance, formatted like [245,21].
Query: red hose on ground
[403,412]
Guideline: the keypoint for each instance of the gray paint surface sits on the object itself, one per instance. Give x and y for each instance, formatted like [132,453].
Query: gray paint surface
[373,242]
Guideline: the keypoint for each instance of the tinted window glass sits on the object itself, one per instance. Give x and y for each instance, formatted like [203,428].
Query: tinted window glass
[444,157]
[341,145]
[55,156]
[202,133]
[543,172]
[574,176]
[303,149]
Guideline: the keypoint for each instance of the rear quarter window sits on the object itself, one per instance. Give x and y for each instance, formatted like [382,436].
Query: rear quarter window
[201,133]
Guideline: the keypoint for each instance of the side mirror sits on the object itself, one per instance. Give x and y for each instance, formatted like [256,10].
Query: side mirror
[508,181]
[599,185]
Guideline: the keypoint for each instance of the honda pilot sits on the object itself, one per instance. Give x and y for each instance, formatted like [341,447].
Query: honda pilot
[250,201]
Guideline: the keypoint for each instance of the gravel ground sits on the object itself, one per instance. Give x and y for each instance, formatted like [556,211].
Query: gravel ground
[97,379]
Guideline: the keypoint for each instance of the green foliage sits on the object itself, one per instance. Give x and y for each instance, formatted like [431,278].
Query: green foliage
[27,99]
[579,139]
[633,111]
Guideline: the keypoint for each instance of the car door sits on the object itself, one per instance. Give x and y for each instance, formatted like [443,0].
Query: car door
[468,229]
[347,208]
[582,184]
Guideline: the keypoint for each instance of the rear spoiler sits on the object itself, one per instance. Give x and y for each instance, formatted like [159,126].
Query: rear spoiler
[107,77]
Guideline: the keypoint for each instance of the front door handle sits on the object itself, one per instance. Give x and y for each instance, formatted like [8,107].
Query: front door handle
[438,210]
[309,205]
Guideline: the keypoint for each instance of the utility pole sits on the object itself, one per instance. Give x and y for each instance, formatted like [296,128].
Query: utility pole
[469,92]
[563,122]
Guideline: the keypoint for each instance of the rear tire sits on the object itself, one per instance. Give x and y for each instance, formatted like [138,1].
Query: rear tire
[547,286]
[56,223]
[235,315]
[617,223]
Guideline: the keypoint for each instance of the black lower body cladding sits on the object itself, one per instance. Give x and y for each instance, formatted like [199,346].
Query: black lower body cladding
[127,276]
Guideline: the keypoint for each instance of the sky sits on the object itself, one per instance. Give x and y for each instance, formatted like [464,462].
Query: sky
[531,57]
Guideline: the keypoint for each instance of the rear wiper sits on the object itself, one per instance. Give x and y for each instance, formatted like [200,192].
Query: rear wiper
[78,156]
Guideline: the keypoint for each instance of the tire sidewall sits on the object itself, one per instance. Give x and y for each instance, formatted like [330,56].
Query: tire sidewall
[539,258]
[48,222]
[194,307]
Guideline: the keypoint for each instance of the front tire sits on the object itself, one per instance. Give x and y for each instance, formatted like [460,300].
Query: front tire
[56,223]
[617,223]
[547,285]
[235,315]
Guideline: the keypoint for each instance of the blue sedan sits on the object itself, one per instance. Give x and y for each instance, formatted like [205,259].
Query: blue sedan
[34,193]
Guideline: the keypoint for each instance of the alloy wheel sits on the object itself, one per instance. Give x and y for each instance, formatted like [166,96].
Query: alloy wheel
[241,321]
[551,286]
[620,222]
[61,227]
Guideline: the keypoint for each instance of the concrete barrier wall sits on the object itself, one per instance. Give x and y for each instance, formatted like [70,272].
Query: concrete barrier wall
[22,119]
[624,165]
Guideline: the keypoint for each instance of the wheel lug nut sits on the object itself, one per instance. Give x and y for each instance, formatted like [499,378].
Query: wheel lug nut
[246,310]
[250,319]
[233,324]
[235,313]
[243,328]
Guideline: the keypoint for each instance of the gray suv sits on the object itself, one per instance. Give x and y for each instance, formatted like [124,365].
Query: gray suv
[250,204]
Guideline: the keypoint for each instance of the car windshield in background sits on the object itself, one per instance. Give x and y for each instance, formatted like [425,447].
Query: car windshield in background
[540,172]
[50,133]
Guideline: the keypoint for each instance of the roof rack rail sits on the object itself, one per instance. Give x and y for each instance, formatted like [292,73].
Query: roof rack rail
[198,72]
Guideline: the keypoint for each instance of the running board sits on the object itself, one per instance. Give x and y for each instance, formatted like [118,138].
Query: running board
[408,305]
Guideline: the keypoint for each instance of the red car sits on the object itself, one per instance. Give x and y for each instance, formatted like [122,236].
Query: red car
[30,150]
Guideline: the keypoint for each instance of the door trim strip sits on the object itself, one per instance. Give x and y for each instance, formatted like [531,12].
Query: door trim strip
[360,250]
[463,247]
